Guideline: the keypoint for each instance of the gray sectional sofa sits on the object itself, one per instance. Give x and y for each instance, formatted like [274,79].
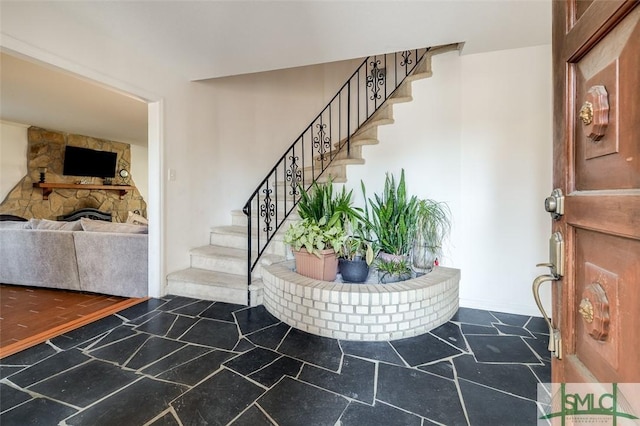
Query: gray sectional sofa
[107,258]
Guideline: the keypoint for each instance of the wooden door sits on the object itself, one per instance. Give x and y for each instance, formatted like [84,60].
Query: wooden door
[596,60]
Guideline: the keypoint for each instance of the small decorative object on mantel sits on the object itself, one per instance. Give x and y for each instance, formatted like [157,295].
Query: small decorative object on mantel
[124,176]
[107,181]
[42,171]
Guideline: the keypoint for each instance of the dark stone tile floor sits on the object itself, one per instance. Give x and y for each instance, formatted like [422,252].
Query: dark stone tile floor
[181,361]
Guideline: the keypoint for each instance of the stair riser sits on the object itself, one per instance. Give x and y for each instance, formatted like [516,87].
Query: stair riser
[228,265]
[207,292]
[276,246]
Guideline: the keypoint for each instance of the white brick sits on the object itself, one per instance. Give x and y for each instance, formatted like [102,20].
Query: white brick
[404,297]
[332,307]
[391,327]
[344,298]
[307,302]
[301,309]
[410,315]
[377,309]
[376,328]
[385,299]
[397,317]
[297,300]
[369,319]
[316,294]
[347,327]
[354,336]
[415,305]
[320,305]
[404,325]
[354,298]
[287,297]
[365,298]
[415,323]
[347,309]
[403,307]
[308,291]
[362,329]
[326,296]
[397,335]
[314,313]
[339,335]
[320,323]
[395,298]
[331,325]
[383,319]
[297,316]
[355,319]
[334,297]
[340,317]
[390,309]
[313,329]
[326,315]
[375,298]
[362,309]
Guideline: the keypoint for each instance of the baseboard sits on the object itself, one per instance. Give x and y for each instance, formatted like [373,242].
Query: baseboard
[499,306]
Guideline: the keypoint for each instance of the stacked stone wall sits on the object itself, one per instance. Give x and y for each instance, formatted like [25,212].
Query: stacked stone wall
[45,148]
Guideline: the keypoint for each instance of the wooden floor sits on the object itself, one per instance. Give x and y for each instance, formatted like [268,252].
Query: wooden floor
[30,315]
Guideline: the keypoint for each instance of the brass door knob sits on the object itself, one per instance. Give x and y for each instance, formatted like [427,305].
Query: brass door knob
[586,113]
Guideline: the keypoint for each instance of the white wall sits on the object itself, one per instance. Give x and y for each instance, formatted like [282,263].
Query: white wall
[506,170]
[478,136]
[13,155]
[140,169]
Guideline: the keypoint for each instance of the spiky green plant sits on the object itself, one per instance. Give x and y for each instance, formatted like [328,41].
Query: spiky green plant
[393,216]
[321,202]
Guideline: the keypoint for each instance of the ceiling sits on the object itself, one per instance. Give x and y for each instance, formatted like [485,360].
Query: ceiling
[209,39]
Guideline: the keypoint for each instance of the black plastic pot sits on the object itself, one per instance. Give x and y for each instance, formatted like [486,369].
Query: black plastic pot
[353,271]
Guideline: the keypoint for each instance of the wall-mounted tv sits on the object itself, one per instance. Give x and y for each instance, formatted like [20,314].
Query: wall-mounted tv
[89,162]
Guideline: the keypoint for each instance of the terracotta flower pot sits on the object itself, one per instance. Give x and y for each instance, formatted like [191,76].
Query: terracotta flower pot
[323,268]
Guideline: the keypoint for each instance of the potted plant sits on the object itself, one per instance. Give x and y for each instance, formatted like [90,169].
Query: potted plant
[315,246]
[355,258]
[433,224]
[320,235]
[392,218]
[393,270]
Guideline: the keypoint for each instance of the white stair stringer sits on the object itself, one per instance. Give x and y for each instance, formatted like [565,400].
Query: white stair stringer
[218,271]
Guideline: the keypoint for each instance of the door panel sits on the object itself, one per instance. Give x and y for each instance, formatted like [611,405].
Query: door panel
[597,165]
[607,155]
[606,269]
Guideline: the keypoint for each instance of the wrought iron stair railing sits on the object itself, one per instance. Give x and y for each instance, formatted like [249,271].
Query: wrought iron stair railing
[311,154]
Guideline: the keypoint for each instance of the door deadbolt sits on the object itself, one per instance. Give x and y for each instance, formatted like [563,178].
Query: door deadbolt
[554,203]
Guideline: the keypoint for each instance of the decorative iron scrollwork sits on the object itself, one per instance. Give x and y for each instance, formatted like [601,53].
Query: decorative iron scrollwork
[294,175]
[375,79]
[406,60]
[322,142]
[267,210]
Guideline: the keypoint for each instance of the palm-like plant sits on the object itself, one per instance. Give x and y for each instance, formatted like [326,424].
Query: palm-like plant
[320,202]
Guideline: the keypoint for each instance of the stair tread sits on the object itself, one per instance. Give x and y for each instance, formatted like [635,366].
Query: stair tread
[231,253]
[219,251]
[212,278]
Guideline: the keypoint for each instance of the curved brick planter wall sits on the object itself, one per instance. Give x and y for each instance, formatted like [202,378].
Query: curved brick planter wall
[372,312]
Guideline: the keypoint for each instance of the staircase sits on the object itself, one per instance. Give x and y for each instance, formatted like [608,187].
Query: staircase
[220,270]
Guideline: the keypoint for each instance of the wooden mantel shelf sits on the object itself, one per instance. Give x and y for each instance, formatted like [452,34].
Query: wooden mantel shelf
[47,188]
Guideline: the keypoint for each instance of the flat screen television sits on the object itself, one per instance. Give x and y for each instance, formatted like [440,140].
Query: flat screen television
[89,162]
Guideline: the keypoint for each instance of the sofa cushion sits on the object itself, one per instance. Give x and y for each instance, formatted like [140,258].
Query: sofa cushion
[102,226]
[41,258]
[12,224]
[55,225]
[112,263]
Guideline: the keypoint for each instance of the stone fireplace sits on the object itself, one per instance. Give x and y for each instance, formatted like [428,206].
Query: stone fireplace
[46,149]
